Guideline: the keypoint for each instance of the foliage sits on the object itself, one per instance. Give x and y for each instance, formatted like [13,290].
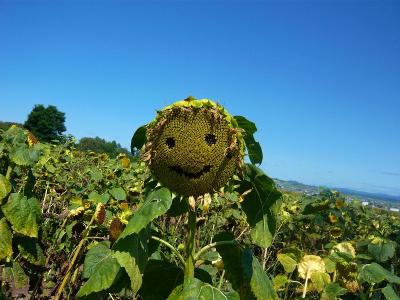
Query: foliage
[100,145]
[46,123]
[6,125]
[78,224]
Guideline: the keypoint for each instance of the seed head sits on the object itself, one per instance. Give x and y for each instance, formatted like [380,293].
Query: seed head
[193,147]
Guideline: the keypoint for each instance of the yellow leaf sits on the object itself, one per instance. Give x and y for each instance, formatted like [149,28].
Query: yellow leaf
[345,247]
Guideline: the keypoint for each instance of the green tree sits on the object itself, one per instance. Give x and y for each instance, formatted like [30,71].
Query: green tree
[100,145]
[46,123]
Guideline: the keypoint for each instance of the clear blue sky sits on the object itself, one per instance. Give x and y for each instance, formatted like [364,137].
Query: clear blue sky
[321,79]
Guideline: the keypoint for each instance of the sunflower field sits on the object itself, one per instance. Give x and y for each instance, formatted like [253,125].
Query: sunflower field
[81,225]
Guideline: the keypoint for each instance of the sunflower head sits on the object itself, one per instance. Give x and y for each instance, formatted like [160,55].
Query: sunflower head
[194,147]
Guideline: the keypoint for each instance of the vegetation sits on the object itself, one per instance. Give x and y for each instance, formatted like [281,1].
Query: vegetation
[100,145]
[6,125]
[79,225]
[46,123]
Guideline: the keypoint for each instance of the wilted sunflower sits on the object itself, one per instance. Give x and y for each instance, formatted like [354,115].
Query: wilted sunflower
[339,203]
[194,147]
[332,218]
[336,232]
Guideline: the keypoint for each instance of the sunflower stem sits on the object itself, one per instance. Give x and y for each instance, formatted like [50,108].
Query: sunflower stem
[305,285]
[190,247]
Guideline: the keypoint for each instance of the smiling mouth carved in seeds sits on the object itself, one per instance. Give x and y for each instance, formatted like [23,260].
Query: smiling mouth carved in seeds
[190,175]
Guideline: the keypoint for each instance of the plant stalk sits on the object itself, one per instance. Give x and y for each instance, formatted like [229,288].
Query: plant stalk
[264,261]
[287,286]
[9,171]
[170,247]
[305,285]
[212,245]
[76,254]
[221,279]
[190,247]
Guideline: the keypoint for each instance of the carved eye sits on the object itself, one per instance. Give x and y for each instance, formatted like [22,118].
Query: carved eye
[170,142]
[210,139]
[229,155]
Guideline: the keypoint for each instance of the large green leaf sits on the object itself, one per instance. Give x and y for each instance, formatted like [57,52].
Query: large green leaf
[178,207]
[26,156]
[392,278]
[260,205]
[156,204]
[159,280]
[260,283]
[372,273]
[390,293]
[30,249]
[118,193]
[382,249]
[103,276]
[102,266]
[161,277]
[5,240]
[96,175]
[138,139]
[375,273]
[94,257]
[280,281]
[136,244]
[332,291]
[96,198]
[5,187]
[15,136]
[231,256]
[253,147]
[244,271]
[288,263]
[133,239]
[128,263]
[198,290]
[23,214]
[320,280]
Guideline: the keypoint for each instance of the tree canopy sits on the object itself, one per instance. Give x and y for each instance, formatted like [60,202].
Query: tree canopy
[46,123]
[6,125]
[100,145]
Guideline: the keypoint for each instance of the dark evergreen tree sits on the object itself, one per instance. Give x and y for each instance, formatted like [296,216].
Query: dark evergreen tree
[46,123]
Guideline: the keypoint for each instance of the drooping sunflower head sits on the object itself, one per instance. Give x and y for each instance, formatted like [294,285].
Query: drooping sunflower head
[194,147]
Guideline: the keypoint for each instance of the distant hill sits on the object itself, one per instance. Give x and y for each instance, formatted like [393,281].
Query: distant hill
[376,196]
[294,186]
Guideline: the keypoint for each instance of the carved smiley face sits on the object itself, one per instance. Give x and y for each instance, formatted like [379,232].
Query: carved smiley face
[193,151]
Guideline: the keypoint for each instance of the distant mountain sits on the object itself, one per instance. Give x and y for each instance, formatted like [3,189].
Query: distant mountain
[295,186]
[377,196]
